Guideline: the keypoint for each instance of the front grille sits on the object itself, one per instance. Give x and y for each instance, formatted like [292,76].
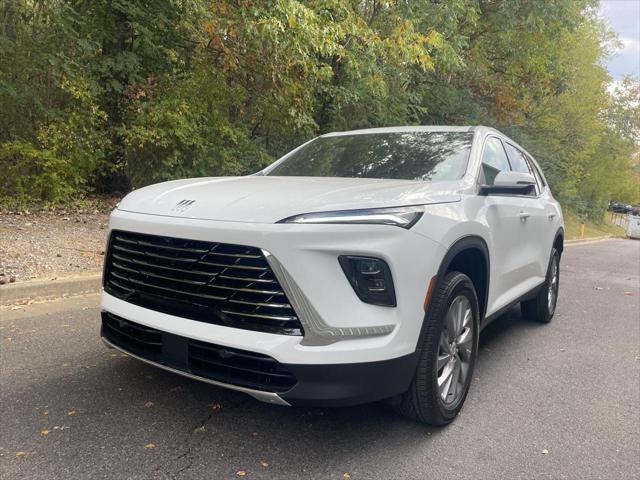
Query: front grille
[238,367]
[223,364]
[219,283]
[143,341]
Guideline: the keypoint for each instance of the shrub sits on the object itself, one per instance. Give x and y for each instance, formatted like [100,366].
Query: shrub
[29,172]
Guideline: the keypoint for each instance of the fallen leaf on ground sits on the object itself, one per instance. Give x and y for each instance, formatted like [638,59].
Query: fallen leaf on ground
[241,473]
[264,464]
[148,404]
[20,454]
[45,413]
[199,429]
[71,412]
[545,451]
[346,475]
[44,432]
[150,445]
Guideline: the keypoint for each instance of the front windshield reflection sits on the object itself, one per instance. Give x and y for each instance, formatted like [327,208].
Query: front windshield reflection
[403,155]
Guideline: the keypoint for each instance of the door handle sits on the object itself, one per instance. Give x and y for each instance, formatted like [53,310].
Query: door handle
[524,216]
[551,216]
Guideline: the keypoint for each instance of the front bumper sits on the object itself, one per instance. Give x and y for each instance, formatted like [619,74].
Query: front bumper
[309,253]
[349,369]
[331,385]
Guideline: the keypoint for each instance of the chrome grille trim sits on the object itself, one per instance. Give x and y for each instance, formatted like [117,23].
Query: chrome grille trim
[226,284]
[316,331]
[157,245]
[256,315]
[163,267]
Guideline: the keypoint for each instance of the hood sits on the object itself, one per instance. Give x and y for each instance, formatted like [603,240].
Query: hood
[264,199]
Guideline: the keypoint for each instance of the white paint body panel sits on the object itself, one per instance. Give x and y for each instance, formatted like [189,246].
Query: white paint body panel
[244,210]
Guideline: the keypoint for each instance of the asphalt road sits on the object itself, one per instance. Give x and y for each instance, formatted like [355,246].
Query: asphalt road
[70,408]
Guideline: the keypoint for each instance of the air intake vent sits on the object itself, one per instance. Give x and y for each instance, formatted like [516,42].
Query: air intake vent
[238,367]
[215,362]
[219,283]
[138,339]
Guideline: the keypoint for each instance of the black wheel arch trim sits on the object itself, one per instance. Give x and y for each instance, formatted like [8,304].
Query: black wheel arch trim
[468,242]
[461,244]
[559,234]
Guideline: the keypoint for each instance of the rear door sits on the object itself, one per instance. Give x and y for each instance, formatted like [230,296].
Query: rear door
[534,214]
[551,221]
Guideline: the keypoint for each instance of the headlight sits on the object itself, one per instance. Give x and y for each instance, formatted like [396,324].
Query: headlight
[404,217]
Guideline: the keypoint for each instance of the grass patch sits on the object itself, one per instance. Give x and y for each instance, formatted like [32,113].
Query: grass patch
[592,228]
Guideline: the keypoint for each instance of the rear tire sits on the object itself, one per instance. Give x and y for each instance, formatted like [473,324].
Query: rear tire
[541,308]
[447,352]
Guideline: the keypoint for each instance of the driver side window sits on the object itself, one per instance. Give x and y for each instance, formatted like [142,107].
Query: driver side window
[494,160]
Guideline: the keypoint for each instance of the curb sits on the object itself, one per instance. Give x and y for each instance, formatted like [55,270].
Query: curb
[20,292]
[580,241]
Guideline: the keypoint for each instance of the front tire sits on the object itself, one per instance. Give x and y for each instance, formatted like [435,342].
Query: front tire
[541,308]
[447,353]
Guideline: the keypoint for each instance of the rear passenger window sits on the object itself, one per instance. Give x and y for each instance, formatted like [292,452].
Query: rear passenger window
[516,157]
[522,164]
[494,160]
[536,173]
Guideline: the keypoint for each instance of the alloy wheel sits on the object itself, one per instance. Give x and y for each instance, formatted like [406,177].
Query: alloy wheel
[455,350]
[552,288]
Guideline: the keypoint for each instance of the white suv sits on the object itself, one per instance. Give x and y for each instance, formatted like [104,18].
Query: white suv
[361,266]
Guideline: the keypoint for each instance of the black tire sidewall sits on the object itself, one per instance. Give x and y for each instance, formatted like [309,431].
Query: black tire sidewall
[537,309]
[455,284]
[543,303]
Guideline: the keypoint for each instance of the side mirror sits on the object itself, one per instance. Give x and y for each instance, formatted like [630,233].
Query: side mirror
[510,183]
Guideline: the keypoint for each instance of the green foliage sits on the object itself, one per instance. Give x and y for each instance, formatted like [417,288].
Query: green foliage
[107,95]
[179,134]
[33,172]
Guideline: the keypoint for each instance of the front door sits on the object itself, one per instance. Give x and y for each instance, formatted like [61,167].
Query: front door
[513,223]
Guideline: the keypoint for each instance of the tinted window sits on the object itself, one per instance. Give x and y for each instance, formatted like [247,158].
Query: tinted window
[521,164]
[494,160]
[402,155]
[517,160]
[536,173]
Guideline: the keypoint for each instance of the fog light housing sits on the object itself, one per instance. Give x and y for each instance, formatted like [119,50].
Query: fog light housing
[370,278]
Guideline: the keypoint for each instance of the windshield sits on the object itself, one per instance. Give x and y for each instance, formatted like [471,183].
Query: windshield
[401,155]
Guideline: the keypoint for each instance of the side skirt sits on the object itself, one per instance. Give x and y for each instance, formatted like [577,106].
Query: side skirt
[531,294]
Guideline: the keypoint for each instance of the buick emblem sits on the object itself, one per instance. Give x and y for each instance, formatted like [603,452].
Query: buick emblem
[182,205]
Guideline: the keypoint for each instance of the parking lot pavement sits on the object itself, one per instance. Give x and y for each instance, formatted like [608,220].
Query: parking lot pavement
[560,401]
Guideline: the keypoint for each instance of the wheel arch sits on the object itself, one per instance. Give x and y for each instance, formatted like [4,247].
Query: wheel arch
[470,255]
[558,240]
